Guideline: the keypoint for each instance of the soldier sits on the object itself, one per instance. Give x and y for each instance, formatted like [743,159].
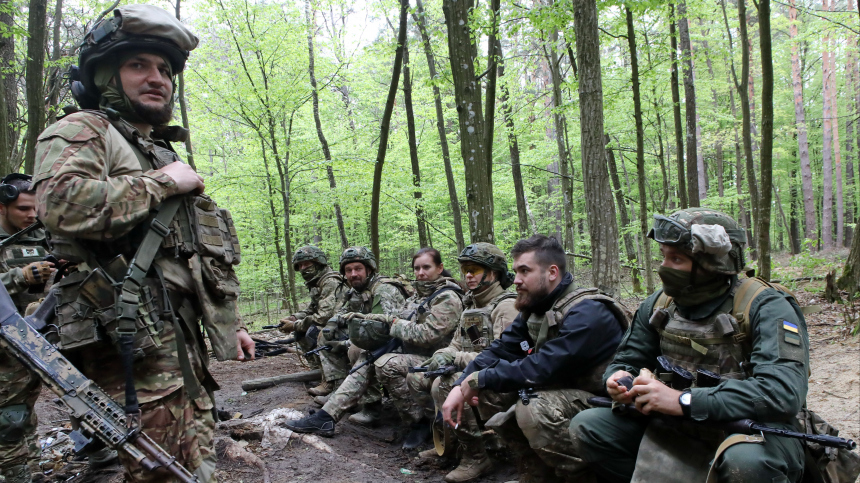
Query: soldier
[554,352]
[110,190]
[326,289]
[751,336]
[489,309]
[24,273]
[369,293]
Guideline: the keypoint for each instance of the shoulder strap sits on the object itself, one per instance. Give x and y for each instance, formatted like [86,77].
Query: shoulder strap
[423,306]
[570,301]
[746,292]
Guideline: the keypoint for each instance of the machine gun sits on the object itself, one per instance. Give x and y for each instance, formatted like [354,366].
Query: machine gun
[390,346]
[100,416]
[442,371]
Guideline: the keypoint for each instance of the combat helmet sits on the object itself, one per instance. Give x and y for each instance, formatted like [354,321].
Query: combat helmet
[490,256]
[309,253]
[711,238]
[357,254]
[132,27]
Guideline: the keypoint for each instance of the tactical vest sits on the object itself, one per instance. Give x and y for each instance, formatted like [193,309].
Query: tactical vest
[479,322]
[367,302]
[417,312]
[543,328]
[18,255]
[316,290]
[720,343]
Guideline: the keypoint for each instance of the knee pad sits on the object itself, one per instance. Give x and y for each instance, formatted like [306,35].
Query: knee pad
[13,422]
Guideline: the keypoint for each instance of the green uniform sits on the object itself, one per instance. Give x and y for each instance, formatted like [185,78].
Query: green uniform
[19,388]
[763,377]
[326,291]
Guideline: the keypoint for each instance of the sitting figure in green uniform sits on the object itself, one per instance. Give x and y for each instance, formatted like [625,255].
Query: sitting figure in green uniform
[741,345]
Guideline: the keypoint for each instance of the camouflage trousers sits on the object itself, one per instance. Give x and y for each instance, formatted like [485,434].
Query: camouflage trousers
[334,366]
[393,372]
[360,387]
[19,386]
[306,345]
[184,431]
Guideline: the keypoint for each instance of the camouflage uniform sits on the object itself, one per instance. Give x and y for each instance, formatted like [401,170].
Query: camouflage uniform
[19,386]
[96,183]
[326,291]
[423,327]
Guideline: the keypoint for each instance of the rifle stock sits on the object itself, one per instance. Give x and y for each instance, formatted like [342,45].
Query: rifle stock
[99,414]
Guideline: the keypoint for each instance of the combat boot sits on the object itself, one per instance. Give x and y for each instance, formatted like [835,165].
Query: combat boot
[321,400]
[428,454]
[324,388]
[473,464]
[370,415]
[320,423]
[418,433]
[17,474]
[103,457]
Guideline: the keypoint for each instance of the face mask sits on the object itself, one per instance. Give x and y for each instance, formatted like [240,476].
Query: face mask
[308,273]
[424,287]
[706,286]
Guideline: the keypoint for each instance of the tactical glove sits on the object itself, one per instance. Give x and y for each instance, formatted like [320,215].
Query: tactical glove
[439,359]
[339,346]
[37,273]
[288,324]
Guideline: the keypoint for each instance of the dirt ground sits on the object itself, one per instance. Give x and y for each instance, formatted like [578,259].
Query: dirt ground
[374,456]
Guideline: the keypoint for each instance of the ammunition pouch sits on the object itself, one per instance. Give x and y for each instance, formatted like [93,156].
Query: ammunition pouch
[368,334]
[13,422]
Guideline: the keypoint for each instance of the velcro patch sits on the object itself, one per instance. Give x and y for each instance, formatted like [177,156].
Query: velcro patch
[792,339]
[788,326]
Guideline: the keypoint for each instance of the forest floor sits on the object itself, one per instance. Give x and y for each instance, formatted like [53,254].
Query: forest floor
[364,455]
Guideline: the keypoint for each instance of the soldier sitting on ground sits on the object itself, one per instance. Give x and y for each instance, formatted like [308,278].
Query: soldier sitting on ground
[489,309]
[749,337]
[326,288]
[369,293]
[554,353]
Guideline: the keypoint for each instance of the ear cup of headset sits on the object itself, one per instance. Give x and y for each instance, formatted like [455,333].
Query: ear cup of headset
[8,193]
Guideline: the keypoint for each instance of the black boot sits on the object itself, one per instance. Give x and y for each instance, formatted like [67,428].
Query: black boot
[317,423]
[419,433]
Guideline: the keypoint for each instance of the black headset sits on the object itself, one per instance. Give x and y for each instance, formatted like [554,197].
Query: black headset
[8,192]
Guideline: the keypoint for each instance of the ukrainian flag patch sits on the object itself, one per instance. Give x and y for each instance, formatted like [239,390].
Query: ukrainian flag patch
[792,336]
[789,326]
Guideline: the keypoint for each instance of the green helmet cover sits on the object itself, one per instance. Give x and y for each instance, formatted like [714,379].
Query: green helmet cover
[710,237]
[357,254]
[309,253]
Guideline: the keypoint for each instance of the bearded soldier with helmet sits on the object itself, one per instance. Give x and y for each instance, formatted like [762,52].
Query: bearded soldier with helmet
[488,310]
[326,288]
[369,293]
[741,345]
[152,255]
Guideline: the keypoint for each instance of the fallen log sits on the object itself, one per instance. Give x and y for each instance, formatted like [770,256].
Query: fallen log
[262,383]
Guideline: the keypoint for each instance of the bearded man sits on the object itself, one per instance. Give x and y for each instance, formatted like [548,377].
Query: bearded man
[555,351]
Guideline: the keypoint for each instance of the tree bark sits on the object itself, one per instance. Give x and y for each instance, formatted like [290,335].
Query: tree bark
[689,104]
[766,138]
[837,148]
[600,209]
[36,27]
[323,142]
[384,129]
[676,111]
[559,125]
[850,279]
[794,216]
[275,226]
[852,130]
[8,92]
[54,81]
[467,93]
[622,213]
[183,105]
[827,148]
[746,130]
[421,20]
[640,149]
[492,76]
[413,149]
[286,191]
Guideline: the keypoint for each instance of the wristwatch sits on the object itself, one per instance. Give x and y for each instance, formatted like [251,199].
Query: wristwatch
[684,400]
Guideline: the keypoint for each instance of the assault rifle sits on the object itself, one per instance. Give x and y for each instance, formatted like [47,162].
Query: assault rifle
[526,395]
[100,416]
[741,426]
[269,348]
[390,346]
[442,371]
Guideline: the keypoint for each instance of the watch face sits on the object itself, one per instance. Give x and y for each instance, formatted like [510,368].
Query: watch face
[686,398]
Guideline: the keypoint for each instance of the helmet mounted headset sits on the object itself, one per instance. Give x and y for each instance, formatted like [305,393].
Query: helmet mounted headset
[8,192]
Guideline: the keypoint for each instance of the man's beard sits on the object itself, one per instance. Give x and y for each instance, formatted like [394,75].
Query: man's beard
[359,286]
[154,116]
[527,300]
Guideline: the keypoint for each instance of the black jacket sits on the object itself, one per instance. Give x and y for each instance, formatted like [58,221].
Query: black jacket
[589,335]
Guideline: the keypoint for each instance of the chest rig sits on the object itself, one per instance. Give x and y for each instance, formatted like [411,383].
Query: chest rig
[367,302]
[19,254]
[315,291]
[543,328]
[476,324]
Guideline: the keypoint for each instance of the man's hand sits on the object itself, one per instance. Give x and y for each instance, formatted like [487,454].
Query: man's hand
[244,343]
[186,179]
[38,273]
[339,346]
[438,360]
[470,394]
[452,409]
[616,391]
[379,318]
[288,324]
[652,395]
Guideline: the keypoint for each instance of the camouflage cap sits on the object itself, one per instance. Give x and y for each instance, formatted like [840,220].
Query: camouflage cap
[357,254]
[712,238]
[485,254]
[311,253]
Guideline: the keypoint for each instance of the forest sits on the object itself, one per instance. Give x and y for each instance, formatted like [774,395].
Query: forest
[402,124]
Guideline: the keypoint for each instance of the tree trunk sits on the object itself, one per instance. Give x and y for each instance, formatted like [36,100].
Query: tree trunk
[800,121]
[600,210]
[384,129]
[492,76]
[661,154]
[36,28]
[622,212]
[467,93]
[284,174]
[559,125]
[689,104]
[413,149]
[793,213]
[827,148]
[54,81]
[323,142]
[837,148]
[183,105]
[420,19]
[8,92]
[746,131]
[766,138]
[676,111]
[852,201]
[275,226]
[850,279]
[640,149]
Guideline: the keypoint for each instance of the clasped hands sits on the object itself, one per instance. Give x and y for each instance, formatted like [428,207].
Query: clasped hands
[647,394]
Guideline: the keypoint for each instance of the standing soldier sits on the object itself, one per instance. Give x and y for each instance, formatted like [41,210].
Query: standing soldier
[111,191]
[326,289]
[749,339]
[369,293]
[489,309]
[24,273]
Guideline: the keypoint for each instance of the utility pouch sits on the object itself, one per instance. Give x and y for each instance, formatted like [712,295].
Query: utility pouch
[219,313]
[216,233]
[13,422]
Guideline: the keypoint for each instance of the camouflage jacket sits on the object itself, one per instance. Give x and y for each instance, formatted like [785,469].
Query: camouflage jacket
[502,317]
[29,248]
[380,297]
[326,290]
[90,185]
[425,327]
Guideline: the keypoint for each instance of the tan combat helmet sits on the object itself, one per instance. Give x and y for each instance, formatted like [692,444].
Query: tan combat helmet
[712,238]
[490,256]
